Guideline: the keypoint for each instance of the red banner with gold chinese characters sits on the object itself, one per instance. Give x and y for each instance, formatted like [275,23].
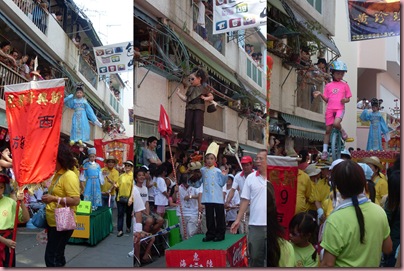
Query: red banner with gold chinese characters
[34,115]
[282,173]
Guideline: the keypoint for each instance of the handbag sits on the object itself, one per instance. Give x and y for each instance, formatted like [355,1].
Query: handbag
[123,199]
[212,107]
[64,217]
[39,218]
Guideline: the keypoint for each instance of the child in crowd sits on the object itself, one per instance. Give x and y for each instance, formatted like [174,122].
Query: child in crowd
[161,195]
[92,180]
[336,94]
[303,235]
[213,181]
[231,211]
[377,126]
[189,200]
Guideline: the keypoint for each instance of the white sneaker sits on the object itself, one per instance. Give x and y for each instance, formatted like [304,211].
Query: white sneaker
[324,155]
[130,254]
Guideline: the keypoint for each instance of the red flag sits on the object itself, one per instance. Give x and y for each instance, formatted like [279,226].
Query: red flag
[34,114]
[282,173]
[164,123]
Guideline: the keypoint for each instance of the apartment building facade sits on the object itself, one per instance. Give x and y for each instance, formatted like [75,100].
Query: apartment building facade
[170,47]
[51,41]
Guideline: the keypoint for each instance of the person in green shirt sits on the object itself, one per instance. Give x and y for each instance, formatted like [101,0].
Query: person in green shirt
[303,231]
[357,231]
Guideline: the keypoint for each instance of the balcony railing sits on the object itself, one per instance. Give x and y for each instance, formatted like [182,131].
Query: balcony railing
[254,72]
[9,77]
[35,12]
[87,71]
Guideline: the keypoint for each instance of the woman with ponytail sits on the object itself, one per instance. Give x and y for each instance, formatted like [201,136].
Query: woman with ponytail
[357,231]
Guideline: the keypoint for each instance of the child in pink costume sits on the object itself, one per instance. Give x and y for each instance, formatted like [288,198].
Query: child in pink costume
[336,94]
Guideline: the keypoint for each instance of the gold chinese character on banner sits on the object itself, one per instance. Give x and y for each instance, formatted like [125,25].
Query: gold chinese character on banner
[55,97]
[21,99]
[379,17]
[10,99]
[396,16]
[42,98]
[362,18]
[31,97]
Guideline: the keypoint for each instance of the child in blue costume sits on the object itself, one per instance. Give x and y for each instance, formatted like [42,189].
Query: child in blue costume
[212,196]
[92,175]
[83,112]
[377,126]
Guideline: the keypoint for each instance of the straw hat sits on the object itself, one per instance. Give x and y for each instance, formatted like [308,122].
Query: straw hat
[194,166]
[373,160]
[111,158]
[130,163]
[312,170]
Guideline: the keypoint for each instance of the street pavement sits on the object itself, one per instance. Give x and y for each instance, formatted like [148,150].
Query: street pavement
[110,252]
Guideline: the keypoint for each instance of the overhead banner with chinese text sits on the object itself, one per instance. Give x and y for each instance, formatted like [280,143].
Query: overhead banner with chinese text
[114,58]
[282,173]
[232,15]
[34,116]
[373,19]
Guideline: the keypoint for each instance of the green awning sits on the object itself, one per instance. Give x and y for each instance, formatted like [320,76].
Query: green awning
[248,150]
[304,128]
[211,65]
[278,5]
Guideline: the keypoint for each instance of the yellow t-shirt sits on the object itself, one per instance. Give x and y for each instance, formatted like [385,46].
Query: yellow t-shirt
[125,185]
[67,186]
[76,170]
[320,193]
[381,188]
[303,192]
[113,176]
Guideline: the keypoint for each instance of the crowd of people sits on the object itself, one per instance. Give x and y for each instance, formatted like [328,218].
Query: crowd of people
[318,236]
[23,64]
[73,181]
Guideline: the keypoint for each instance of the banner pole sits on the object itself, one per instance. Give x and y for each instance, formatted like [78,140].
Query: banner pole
[12,250]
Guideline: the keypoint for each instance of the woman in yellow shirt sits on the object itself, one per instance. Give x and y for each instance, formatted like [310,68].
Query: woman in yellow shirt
[65,185]
[125,185]
[381,186]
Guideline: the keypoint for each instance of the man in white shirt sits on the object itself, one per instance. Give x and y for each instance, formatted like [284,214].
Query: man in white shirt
[201,27]
[255,193]
[238,184]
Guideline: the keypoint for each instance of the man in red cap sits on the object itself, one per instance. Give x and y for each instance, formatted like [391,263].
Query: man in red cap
[238,183]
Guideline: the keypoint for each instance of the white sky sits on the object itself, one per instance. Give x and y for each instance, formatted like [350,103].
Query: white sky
[113,22]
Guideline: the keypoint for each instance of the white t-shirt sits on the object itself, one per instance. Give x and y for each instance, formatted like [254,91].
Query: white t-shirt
[138,205]
[232,213]
[189,207]
[143,193]
[201,14]
[255,190]
[159,198]
[239,180]
[152,190]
